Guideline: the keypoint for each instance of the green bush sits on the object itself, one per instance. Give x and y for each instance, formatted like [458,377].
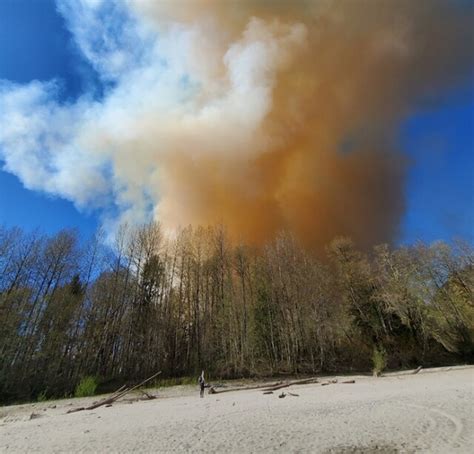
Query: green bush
[42,397]
[86,387]
[379,360]
[175,381]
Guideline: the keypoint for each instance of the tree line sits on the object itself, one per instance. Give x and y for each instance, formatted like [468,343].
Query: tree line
[70,309]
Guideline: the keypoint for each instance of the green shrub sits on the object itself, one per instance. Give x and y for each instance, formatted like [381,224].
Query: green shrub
[188,380]
[86,387]
[42,397]
[174,381]
[379,360]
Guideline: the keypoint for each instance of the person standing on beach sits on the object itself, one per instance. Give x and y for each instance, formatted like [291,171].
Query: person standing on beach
[202,384]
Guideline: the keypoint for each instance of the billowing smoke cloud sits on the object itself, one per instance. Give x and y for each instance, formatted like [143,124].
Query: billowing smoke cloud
[259,115]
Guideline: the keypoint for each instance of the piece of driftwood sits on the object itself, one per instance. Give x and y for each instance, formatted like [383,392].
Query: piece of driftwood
[115,396]
[213,390]
[293,394]
[74,410]
[268,392]
[329,382]
[122,388]
[110,398]
[417,369]
[348,382]
[303,381]
[147,396]
[273,387]
[282,395]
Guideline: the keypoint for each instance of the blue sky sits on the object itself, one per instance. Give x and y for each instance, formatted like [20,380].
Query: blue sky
[35,44]
[440,189]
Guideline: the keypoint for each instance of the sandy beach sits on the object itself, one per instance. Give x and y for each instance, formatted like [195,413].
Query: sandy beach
[431,411]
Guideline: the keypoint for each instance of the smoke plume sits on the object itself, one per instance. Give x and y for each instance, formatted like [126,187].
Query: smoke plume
[260,115]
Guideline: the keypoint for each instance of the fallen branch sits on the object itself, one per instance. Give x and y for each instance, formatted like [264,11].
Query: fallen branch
[266,387]
[417,370]
[147,396]
[73,410]
[348,382]
[116,393]
[112,398]
[304,381]
[213,390]
[115,396]
[122,388]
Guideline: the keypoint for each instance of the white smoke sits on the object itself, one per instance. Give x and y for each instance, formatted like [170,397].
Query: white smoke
[170,88]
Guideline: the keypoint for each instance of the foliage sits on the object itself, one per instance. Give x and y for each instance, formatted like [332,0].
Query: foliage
[42,397]
[198,301]
[175,381]
[379,360]
[86,387]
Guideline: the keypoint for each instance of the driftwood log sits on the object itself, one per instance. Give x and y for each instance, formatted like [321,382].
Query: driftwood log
[147,396]
[266,388]
[116,395]
[122,388]
[304,381]
[213,390]
[329,382]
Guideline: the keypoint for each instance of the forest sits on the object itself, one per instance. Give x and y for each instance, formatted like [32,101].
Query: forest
[71,308]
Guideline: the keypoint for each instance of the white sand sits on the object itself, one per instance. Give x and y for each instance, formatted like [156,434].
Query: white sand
[428,412]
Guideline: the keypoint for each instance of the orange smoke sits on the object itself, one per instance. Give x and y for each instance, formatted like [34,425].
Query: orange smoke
[321,160]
